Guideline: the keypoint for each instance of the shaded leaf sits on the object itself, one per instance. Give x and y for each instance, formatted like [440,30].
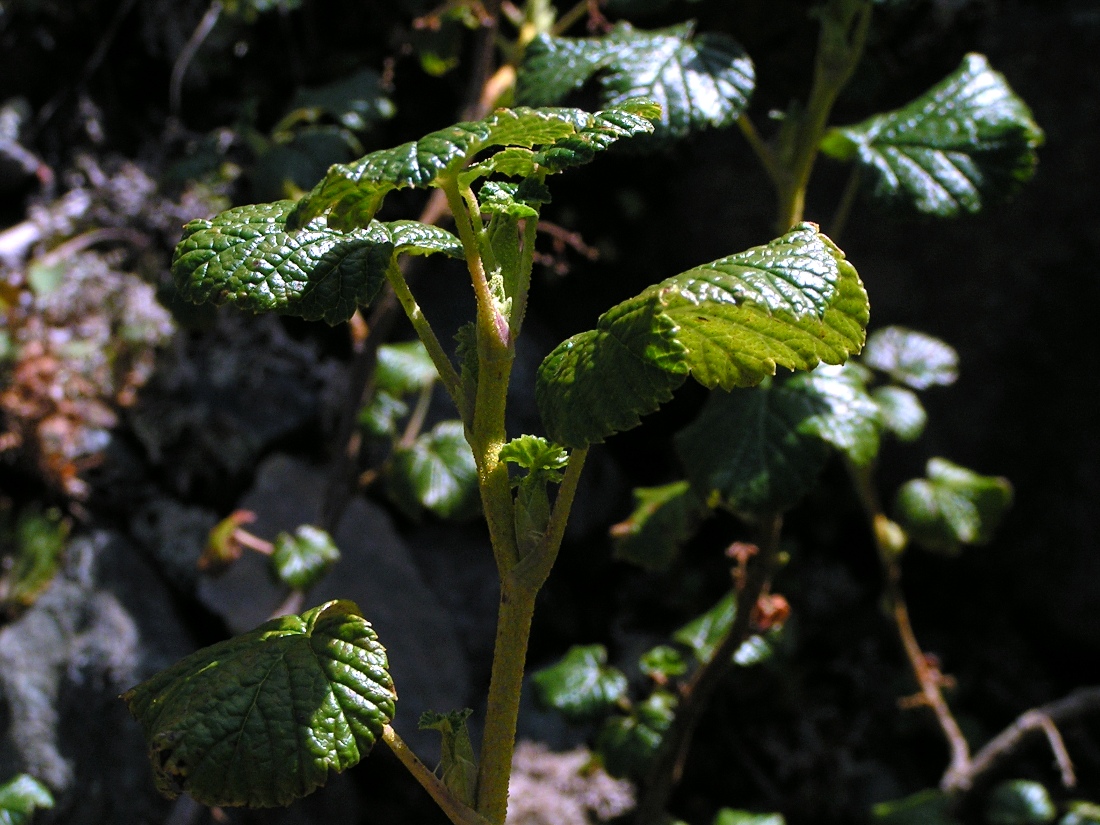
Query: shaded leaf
[246,256]
[1081,813]
[698,81]
[37,540]
[300,560]
[352,193]
[380,415]
[795,302]
[457,765]
[662,663]
[900,411]
[261,718]
[911,358]
[436,473]
[728,816]
[663,519]
[966,141]
[20,797]
[1020,802]
[356,102]
[928,807]
[627,744]
[705,633]
[952,507]
[581,685]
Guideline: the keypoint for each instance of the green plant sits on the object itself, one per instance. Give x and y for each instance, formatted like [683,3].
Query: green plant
[792,303]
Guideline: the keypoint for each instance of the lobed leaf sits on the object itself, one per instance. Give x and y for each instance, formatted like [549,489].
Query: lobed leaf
[20,797]
[912,358]
[849,419]
[249,257]
[540,458]
[900,411]
[705,633]
[581,686]
[435,473]
[260,719]
[952,507]
[795,302]
[627,744]
[300,560]
[352,193]
[698,81]
[964,142]
[663,519]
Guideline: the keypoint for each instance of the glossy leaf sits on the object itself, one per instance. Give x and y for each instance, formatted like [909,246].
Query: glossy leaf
[795,302]
[911,358]
[952,507]
[964,142]
[662,663]
[248,257]
[457,765]
[752,451]
[849,419]
[351,193]
[581,685]
[1019,802]
[261,719]
[698,81]
[663,519]
[900,412]
[404,368]
[728,816]
[537,456]
[1081,813]
[627,744]
[300,560]
[928,807]
[20,797]
[382,413]
[435,473]
[705,633]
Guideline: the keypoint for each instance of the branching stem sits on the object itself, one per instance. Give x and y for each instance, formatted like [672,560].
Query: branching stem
[457,812]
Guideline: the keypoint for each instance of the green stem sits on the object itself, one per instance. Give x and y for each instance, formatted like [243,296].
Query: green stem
[844,207]
[458,813]
[761,149]
[844,26]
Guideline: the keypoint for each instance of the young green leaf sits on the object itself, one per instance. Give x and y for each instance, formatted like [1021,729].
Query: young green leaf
[404,368]
[247,256]
[699,81]
[964,142]
[260,719]
[704,633]
[900,411]
[1020,802]
[457,765]
[627,744]
[20,797]
[302,559]
[728,816]
[436,473]
[753,451]
[953,506]
[1081,813]
[795,302]
[352,193]
[581,685]
[663,519]
[537,456]
[662,662]
[382,413]
[928,807]
[912,358]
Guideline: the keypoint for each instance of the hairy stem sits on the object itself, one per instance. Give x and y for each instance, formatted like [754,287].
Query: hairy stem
[667,767]
[457,812]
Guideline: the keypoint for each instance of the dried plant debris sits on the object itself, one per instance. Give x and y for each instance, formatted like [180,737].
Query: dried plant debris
[81,321]
[569,788]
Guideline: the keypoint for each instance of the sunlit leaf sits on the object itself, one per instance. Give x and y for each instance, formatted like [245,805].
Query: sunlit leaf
[728,816]
[662,662]
[435,473]
[20,797]
[457,765]
[849,418]
[581,685]
[911,358]
[301,559]
[404,368]
[260,719]
[705,633]
[537,456]
[964,142]
[900,411]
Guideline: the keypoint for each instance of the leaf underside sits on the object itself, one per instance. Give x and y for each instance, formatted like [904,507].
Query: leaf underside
[794,302]
[247,256]
[260,719]
[966,141]
[698,81]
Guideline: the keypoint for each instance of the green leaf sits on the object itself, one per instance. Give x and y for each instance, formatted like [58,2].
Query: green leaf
[1081,813]
[663,519]
[705,633]
[752,451]
[966,141]
[627,744]
[699,81]
[911,358]
[900,411]
[260,719]
[20,797]
[662,663]
[927,807]
[380,416]
[795,302]
[457,764]
[436,473]
[728,816]
[581,686]
[302,559]
[849,419]
[1020,802]
[352,193]
[404,368]
[38,541]
[537,456]
[248,257]
[356,102]
[952,507]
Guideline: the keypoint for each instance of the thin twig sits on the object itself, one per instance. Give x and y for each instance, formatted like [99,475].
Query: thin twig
[457,812]
[761,149]
[190,49]
[844,206]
